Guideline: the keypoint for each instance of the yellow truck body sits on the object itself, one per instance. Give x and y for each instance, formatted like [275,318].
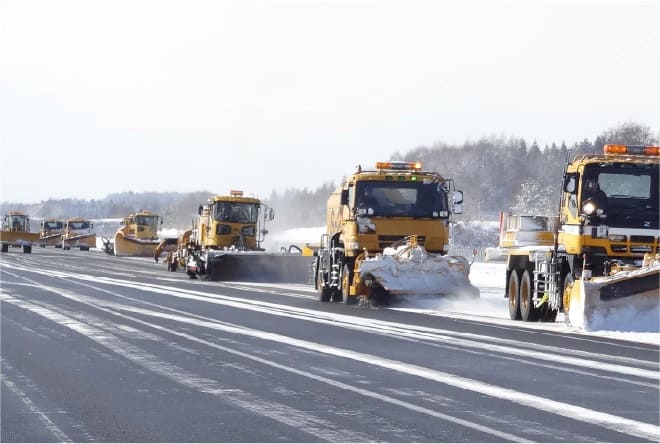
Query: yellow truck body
[15,232]
[138,235]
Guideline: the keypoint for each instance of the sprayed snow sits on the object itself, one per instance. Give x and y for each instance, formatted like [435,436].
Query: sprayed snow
[274,242]
[411,270]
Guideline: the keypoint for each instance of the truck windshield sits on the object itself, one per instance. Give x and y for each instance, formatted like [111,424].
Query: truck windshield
[632,193]
[236,212]
[78,225]
[54,225]
[404,199]
[151,221]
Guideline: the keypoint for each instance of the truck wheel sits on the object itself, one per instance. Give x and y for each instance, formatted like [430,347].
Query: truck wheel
[514,295]
[5,248]
[346,279]
[527,310]
[27,248]
[324,293]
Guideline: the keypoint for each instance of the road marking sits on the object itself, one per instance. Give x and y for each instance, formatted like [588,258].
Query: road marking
[58,434]
[619,424]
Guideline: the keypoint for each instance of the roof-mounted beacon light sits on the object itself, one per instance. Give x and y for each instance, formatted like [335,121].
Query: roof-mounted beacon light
[631,149]
[235,193]
[393,165]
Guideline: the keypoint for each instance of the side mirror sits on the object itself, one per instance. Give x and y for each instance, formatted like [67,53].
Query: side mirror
[569,184]
[269,213]
[458,198]
[91,225]
[199,210]
[458,209]
[161,220]
[344,197]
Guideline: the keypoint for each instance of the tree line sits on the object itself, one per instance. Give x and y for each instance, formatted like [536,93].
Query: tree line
[495,173]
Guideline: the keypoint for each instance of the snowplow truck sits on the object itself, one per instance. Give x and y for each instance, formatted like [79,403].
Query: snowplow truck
[138,235]
[607,224]
[51,233]
[225,244]
[15,232]
[388,234]
[78,234]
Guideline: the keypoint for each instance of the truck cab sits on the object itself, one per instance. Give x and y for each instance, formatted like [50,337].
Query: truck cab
[619,224]
[231,221]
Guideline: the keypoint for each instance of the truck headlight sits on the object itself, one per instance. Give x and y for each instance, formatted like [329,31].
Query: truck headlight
[617,237]
[589,208]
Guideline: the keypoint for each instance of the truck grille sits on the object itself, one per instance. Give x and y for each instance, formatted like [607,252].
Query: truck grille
[642,239]
[619,248]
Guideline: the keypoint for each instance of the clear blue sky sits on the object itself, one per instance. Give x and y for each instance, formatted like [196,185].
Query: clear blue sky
[102,97]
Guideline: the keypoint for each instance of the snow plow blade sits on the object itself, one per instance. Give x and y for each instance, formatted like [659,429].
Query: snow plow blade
[259,267]
[625,301]
[413,271]
[128,246]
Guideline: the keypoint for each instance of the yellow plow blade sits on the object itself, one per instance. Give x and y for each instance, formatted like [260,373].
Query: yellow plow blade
[626,301]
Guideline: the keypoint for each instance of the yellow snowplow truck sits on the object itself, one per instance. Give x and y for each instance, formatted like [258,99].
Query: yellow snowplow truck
[607,224]
[225,244]
[388,234]
[15,232]
[138,235]
[51,233]
[78,234]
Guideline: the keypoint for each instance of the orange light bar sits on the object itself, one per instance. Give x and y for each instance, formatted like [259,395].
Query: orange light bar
[632,149]
[399,166]
[235,193]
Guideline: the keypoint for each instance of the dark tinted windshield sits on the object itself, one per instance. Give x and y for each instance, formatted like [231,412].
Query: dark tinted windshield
[54,225]
[236,212]
[411,199]
[147,220]
[78,225]
[632,193]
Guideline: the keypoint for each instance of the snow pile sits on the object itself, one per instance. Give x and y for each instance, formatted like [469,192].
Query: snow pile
[411,270]
[633,312]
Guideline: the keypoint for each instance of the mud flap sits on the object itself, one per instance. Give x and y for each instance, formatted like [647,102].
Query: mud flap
[628,301]
[259,267]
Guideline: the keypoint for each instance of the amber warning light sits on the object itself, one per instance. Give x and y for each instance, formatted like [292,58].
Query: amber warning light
[399,166]
[632,149]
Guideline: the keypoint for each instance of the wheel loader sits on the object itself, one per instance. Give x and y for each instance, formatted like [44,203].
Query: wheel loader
[51,233]
[225,244]
[15,232]
[138,235]
[590,259]
[78,234]
[388,235]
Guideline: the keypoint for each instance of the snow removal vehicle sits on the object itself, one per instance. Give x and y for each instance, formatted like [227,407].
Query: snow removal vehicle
[78,234]
[15,232]
[51,233]
[598,254]
[388,234]
[138,235]
[225,244]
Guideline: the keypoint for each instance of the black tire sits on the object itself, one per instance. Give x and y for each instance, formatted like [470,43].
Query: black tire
[323,291]
[84,248]
[27,248]
[346,281]
[527,310]
[5,248]
[513,294]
